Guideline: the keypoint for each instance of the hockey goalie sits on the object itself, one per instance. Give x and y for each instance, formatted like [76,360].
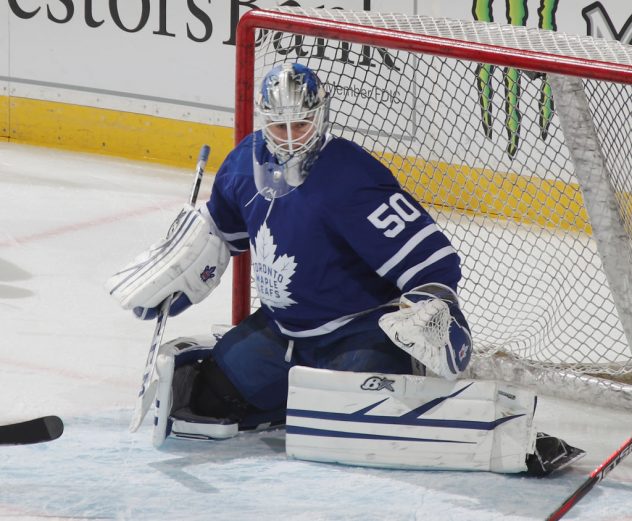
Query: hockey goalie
[359,342]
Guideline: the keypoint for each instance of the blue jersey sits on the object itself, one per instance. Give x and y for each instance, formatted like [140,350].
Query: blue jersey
[346,242]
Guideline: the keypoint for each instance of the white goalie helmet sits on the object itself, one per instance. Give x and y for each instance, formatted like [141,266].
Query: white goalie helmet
[293,110]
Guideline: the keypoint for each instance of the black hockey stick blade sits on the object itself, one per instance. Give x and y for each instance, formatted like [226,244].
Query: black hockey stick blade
[595,477]
[38,430]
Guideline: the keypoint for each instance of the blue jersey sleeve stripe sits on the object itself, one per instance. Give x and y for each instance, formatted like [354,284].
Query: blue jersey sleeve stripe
[434,258]
[412,243]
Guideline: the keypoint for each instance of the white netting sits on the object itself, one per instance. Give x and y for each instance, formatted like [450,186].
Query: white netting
[513,37]
[482,147]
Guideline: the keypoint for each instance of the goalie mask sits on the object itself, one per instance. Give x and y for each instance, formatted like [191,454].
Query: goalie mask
[292,107]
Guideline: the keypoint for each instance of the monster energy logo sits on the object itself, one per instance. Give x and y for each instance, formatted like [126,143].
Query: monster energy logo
[517,14]
[599,24]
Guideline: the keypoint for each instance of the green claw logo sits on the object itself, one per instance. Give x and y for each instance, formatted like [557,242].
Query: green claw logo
[517,14]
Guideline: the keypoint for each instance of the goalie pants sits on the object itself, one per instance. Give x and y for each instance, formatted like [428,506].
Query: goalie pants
[253,356]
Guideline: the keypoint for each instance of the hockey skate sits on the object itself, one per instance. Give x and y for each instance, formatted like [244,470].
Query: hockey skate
[178,365]
[551,454]
[184,423]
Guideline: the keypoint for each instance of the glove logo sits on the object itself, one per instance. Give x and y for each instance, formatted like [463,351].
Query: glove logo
[377,383]
[208,273]
[463,352]
[175,225]
[399,341]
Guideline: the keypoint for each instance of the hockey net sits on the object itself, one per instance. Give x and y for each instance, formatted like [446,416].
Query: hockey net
[466,116]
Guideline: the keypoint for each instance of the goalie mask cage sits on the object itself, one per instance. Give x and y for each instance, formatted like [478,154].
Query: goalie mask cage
[518,142]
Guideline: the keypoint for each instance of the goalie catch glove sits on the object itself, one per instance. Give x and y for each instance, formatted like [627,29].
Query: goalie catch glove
[432,329]
[189,260]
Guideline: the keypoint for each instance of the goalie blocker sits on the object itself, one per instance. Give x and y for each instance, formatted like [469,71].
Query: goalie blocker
[376,420]
[189,263]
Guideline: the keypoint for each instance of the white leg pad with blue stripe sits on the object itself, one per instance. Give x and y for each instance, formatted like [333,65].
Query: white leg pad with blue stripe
[408,421]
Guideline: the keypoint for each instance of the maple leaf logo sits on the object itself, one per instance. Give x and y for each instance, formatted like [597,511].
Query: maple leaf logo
[272,274]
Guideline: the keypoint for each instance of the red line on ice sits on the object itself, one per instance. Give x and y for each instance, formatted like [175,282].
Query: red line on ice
[61,230]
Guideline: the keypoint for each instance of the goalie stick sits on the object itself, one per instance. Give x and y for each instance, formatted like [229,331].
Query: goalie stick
[146,394]
[38,430]
[595,477]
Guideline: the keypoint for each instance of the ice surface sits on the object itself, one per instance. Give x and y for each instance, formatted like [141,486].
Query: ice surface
[68,222]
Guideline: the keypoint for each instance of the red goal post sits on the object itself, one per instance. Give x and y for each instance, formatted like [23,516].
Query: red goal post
[509,47]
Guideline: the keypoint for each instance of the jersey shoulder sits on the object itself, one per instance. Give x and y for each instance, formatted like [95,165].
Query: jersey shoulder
[240,156]
[234,176]
[353,165]
[345,172]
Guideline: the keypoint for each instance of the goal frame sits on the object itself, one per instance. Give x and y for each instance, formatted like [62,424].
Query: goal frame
[565,66]
[253,20]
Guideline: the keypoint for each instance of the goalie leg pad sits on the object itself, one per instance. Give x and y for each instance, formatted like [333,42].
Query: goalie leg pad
[408,422]
[175,388]
[195,400]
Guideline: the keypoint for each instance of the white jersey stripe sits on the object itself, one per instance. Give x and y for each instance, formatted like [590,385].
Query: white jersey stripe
[226,237]
[406,249]
[328,327]
[435,257]
[233,236]
[235,249]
